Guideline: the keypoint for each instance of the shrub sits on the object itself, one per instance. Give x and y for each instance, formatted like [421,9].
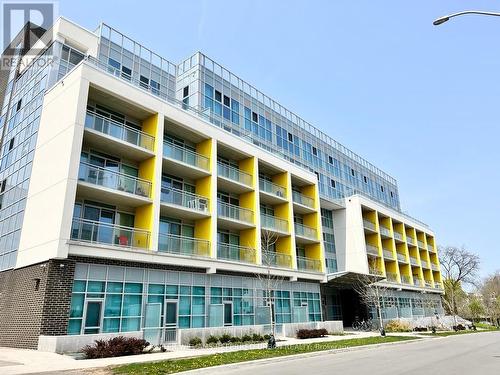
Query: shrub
[459,327]
[311,333]
[195,341]
[397,326]
[115,347]
[266,337]
[246,338]
[212,339]
[257,337]
[420,329]
[225,338]
[235,339]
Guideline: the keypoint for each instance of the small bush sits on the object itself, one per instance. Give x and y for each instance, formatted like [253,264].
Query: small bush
[246,338]
[311,333]
[115,347]
[212,339]
[266,337]
[195,341]
[257,337]
[397,326]
[459,327]
[225,338]
[420,329]
[235,339]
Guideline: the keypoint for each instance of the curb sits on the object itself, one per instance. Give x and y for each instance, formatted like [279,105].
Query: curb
[303,355]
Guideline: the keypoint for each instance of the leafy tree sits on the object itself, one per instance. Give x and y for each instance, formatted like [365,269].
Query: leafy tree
[476,308]
[490,291]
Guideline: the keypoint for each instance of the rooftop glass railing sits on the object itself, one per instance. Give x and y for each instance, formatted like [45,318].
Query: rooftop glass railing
[104,177]
[273,223]
[275,259]
[234,174]
[236,253]
[173,244]
[231,211]
[119,131]
[271,188]
[185,156]
[108,234]
[302,199]
[308,264]
[185,199]
[305,231]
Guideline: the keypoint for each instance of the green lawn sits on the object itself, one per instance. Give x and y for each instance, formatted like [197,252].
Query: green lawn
[185,364]
[453,333]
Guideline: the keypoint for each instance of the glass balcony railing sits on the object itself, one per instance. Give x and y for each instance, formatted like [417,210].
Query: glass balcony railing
[173,244]
[114,180]
[428,284]
[385,231]
[405,279]
[392,277]
[235,252]
[273,223]
[231,211]
[185,199]
[388,254]
[401,257]
[434,267]
[185,156]
[372,250]
[302,199]
[375,271]
[398,236]
[275,259]
[234,174]
[272,188]
[119,131]
[308,264]
[305,231]
[369,225]
[421,244]
[424,264]
[413,261]
[108,234]
[431,248]
[410,240]
[437,285]
[417,281]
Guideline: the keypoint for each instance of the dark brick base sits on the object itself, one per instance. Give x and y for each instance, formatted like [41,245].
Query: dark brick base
[34,301]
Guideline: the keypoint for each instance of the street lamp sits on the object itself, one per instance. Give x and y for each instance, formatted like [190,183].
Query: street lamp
[443,19]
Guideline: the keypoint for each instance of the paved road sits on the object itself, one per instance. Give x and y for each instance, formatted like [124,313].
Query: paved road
[474,354]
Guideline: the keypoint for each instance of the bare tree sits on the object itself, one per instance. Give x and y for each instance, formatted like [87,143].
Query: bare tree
[490,291]
[371,292]
[459,267]
[269,281]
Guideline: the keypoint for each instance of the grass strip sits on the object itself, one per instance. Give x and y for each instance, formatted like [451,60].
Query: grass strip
[184,364]
[453,333]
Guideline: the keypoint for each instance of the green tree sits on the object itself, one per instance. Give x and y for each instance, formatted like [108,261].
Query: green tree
[476,308]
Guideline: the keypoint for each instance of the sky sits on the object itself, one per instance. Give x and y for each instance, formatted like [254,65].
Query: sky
[419,101]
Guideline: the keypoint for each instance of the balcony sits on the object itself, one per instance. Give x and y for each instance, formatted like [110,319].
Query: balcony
[405,280]
[385,232]
[233,180]
[183,204]
[402,258]
[410,240]
[431,248]
[112,186]
[398,236]
[388,254]
[308,264]
[429,284]
[421,244]
[271,193]
[235,253]
[305,234]
[392,277]
[117,138]
[273,223]
[179,245]
[434,267]
[437,285]
[417,281]
[301,203]
[370,226]
[375,271]
[96,232]
[414,261]
[372,250]
[234,217]
[275,259]
[183,162]
[424,264]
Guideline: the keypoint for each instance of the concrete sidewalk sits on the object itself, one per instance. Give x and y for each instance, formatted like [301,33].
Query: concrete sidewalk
[22,361]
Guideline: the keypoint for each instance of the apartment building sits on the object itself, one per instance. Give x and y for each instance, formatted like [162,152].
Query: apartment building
[139,196]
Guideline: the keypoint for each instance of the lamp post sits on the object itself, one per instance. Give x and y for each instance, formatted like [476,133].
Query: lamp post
[444,19]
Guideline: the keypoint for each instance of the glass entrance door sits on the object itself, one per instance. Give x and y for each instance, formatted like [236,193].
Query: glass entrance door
[171,314]
[228,313]
[93,314]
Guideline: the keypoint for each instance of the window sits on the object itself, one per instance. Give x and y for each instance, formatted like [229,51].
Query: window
[352,172]
[185,91]
[11,145]
[332,182]
[255,118]
[315,151]
[290,137]
[115,64]
[126,72]
[218,96]
[317,175]
[2,186]
[392,195]
[227,101]
[18,105]
[365,179]
[144,81]
[330,160]
[382,188]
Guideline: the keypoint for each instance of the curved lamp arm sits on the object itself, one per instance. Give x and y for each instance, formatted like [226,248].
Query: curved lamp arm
[443,19]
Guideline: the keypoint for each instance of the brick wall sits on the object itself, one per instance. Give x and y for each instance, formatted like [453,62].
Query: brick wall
[35,300]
